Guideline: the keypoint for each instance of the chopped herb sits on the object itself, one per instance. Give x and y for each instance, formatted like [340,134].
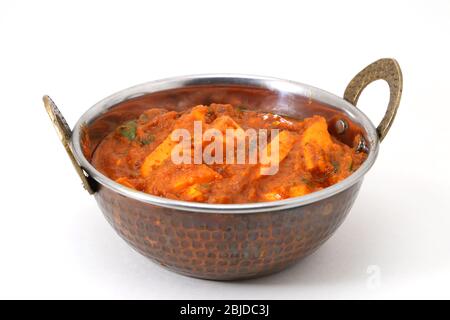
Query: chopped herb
[307,182]
[204,185]
[128,130]
[143,117]
[350,167]
[240,108]
[147,139]
[336,166]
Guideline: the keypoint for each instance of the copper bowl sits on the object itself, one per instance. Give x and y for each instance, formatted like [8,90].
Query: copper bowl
[228,241]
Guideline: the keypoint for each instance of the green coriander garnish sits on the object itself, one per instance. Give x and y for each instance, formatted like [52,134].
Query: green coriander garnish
[350,167]
[240,108]
[148,139]
[128,130]
[307,182]
[336,166]
[143,117]
[204,185]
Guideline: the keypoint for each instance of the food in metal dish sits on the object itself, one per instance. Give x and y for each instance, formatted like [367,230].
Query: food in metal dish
[214,240]
[139,154]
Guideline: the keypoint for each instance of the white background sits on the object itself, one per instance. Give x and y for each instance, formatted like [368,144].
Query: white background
[54,241]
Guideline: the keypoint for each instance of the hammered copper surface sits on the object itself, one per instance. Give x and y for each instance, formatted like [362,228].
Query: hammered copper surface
[224,246]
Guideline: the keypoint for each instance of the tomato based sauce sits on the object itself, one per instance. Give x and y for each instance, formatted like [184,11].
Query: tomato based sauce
[138,155]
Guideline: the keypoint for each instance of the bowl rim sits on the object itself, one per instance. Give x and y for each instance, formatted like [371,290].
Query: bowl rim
[244,80]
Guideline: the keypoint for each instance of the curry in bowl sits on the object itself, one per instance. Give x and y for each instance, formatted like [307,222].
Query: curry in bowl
[226,220]
[138,154]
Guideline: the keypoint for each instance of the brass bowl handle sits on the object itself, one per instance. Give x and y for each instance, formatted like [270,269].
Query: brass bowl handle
[64,133]
[383,69]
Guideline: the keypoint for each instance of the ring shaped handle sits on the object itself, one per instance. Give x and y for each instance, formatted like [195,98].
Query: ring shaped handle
[383,69]
[64,133]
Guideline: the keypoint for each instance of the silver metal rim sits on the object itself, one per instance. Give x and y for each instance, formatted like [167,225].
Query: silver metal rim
[278,85]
